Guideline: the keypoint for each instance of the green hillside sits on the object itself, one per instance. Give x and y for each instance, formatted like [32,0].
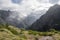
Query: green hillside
[8,32]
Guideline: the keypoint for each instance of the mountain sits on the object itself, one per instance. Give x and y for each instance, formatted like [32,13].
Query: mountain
[10,17]
[9,32]
[17,19]
[33,16]
[51,19]
[4,15]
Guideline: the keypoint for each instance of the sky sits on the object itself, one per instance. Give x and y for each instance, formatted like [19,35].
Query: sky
[25,7]
[17,1]
[27,4]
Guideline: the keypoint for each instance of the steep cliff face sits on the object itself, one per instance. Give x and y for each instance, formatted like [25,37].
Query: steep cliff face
[49,20]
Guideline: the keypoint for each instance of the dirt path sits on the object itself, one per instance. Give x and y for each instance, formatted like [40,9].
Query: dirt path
[46,38]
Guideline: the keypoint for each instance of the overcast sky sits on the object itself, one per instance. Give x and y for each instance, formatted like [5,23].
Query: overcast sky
[27,6]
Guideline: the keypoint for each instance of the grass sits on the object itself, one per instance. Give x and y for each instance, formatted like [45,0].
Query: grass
[8,32]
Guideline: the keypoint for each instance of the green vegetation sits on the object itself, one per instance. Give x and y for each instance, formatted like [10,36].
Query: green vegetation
[8,32]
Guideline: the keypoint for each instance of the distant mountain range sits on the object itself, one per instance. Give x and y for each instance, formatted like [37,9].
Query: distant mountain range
[12,18]
[50,20]
[30,19]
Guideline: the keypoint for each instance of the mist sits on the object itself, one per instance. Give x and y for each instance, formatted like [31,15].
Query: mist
[25,12]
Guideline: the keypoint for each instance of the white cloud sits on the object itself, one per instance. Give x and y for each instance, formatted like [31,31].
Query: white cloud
[53,1]
[26,6]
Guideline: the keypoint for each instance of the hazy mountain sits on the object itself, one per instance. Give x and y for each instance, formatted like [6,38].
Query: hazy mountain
[30,19]
[49,20]
[10,17]
[13,18]
[3,15]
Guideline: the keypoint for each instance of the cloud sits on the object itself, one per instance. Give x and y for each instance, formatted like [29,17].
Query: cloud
[53,1]
[16,1]
[25,7]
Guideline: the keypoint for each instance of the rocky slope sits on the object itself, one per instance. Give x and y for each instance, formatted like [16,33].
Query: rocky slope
[49,20]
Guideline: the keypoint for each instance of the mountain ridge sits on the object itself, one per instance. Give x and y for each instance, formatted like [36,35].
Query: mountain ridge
[49,20]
